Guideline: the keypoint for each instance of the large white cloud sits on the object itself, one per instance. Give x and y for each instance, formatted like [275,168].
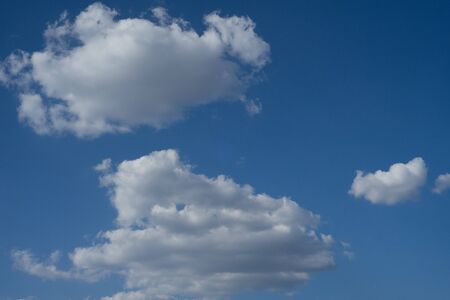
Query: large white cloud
[401,183]
[442,183]
[182,234]
[100,74]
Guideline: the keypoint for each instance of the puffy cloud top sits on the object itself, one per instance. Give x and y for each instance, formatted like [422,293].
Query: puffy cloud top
[100,74]
[182,234]
[401,183]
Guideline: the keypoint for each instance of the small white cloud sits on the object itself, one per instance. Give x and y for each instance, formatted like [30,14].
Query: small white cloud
[401,183]
[26,262]
[15,70]
[350,255]
[100,74]
[253,107]
[189,236]
[104,166]
[33,112]
[327,238]
[442,183]
[347,250]
[161,14]
[345,245]
[238,34]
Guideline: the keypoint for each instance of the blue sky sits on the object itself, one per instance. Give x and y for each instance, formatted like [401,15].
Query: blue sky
[350,86]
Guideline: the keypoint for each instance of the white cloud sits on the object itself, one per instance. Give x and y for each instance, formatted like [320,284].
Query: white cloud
[442,183]
[33,112]
[347,250]
[15,70]
[186,235]
[25,261]
[238,34]
[104,166]
[401,183]
[253,107]
[100,74]
[350,255]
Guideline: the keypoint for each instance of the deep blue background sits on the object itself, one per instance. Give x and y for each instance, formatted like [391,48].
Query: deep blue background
[352,85]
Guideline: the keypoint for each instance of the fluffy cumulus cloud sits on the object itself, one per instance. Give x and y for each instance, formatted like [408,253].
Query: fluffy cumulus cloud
[400,183]
[442,183]
[99,73]
[185,235]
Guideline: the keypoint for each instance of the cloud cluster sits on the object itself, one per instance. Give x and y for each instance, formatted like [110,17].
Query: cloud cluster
[182,234]
[99,74]
[401,183]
